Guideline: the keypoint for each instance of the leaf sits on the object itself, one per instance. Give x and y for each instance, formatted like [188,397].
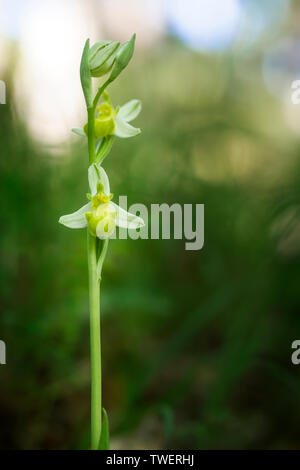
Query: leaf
[85,75]
[104,148]
[101,258]
[104,439]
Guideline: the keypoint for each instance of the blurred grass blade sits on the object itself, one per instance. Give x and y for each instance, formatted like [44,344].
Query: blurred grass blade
[167,415]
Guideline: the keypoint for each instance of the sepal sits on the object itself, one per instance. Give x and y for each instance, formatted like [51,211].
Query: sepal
[125,130]
[129,111]
[76,219]
[79,131]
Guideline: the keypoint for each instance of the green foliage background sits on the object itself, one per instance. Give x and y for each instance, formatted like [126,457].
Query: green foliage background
[196,344]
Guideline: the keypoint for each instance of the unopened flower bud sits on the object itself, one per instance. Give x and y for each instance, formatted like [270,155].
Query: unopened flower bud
[102,56]
[122,58]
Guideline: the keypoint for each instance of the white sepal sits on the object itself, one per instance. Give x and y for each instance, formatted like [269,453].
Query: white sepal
[77,219]
[79,131]
[97,174]
[130,110]
[104,179]
[125,130]
[125,219]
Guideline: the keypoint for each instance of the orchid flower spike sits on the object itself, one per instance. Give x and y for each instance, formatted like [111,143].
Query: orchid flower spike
[101,215]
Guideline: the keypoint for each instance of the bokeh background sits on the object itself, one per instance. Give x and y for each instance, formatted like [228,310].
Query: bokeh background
[196,344]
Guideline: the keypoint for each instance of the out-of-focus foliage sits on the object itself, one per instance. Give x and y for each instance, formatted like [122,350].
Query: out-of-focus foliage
[196,345]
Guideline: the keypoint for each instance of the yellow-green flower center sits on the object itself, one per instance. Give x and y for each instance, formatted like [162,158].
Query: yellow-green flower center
[100,198]
[105,122]
[102,220]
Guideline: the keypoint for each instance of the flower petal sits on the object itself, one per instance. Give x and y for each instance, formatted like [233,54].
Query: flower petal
[130,110]
[123,129]
[104,179]
[95,174]
[125,219]
[77,219]
[93,177]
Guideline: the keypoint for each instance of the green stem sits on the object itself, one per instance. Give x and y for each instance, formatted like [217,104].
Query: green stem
[94,297]
[99,93]
[94,302]
[91,134]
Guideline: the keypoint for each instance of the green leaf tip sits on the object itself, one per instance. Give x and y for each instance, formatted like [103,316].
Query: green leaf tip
[104,439]
[85,74]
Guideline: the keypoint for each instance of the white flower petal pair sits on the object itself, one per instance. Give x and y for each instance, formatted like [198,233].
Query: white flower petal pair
[127,113]
[123,219]
[97,174]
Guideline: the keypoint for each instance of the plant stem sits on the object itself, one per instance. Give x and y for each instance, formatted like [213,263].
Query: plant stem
[95,263]
[94,302]
[91,134]
[94,297]
[99,93]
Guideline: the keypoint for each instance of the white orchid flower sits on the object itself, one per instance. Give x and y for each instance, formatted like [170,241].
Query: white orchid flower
[111,121]
[101,215]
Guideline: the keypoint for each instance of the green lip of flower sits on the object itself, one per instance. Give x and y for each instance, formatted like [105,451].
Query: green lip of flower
[105,123]
[102,221]
[112,122]
[101,215]
[102,56]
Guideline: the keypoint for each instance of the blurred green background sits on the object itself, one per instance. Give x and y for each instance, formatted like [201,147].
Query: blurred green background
[196,344]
